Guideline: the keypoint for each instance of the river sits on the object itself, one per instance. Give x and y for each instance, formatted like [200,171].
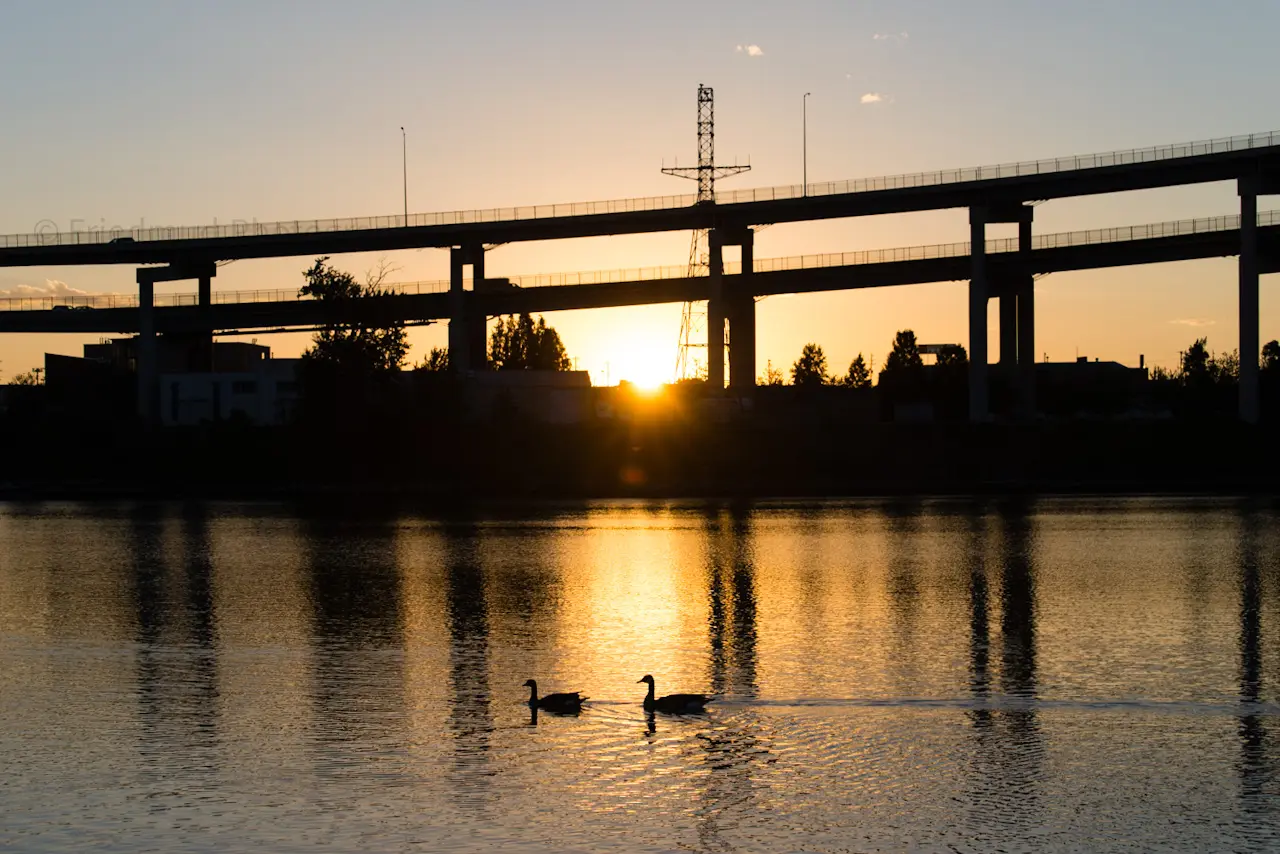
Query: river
[1056,674]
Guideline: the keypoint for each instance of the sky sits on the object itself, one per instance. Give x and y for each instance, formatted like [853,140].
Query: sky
[181,113]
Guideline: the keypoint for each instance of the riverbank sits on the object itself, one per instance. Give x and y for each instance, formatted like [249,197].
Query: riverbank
[742,458]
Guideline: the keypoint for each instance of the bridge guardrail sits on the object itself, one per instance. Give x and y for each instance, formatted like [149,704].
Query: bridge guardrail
[764,194]
[1150,231]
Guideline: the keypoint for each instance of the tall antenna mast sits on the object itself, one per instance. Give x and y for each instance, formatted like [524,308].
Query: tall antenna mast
[694,318]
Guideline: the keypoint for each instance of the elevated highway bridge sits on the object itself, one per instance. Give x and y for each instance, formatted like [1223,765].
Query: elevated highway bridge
[992,194]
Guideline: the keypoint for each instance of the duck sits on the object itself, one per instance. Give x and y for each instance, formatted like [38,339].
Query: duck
[674,704]
[566,702]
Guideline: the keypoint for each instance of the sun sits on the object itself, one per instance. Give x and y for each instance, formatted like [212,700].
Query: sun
[639,351]
[644,370]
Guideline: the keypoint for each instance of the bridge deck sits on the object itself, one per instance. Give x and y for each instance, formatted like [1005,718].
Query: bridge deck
[1160,166]
[427,301]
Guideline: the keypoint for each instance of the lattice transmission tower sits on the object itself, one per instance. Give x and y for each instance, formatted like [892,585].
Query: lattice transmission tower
[693,321]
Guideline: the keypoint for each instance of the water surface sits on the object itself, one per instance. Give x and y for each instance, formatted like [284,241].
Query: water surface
[1066,674]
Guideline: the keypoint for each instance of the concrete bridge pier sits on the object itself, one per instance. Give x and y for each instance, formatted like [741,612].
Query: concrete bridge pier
[740,310]
[147,356]
[1016,312]
[979,290]
[467,342]
[146,361]
[1252,265]
[1008,302]
[1026,321]
[202,355]
[716,312]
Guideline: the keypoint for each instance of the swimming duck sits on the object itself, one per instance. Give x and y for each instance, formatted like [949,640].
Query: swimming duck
[569,701]
[674,704]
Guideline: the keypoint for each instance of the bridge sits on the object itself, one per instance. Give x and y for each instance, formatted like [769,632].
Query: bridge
[992,194]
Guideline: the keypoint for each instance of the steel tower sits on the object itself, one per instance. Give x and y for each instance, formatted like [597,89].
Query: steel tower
[694,319]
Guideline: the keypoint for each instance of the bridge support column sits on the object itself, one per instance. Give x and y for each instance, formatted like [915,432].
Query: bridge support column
[715,314]
[742,322]
[147,362]
[1017,312]
[1026,381]
[1249,333]
[1008,301]
[459,355]
[202,358]
[978,292]
[467,344]
[477,341]
[147,356]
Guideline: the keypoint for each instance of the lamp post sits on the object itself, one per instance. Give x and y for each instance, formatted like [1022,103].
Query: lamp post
[805,144]
[404,160]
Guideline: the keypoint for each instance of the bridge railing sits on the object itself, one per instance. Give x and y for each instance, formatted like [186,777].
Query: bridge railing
[51,236]
[1004,170]
[995,246]
[87,301]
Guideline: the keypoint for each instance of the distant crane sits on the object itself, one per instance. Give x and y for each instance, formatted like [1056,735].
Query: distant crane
[693,321]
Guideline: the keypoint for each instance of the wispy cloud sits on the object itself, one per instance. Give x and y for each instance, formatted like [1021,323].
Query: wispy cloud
[1193,321]
[891,37]
[51,288]
[872,98]
[751,50]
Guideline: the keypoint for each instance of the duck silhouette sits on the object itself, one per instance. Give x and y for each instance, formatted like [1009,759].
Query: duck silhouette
[674,704]
[569,702]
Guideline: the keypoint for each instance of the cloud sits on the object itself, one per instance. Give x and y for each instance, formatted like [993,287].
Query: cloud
[751,50]
[1193,321]
[891,37]
[51,288]
[871,98]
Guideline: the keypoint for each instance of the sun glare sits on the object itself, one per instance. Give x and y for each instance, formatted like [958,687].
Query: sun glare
[643,366]
[648,386]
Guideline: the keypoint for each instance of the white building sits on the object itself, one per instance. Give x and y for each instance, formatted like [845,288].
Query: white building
[264,396]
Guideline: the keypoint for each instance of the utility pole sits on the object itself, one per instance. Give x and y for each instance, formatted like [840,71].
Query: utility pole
[805,143]
[705,173]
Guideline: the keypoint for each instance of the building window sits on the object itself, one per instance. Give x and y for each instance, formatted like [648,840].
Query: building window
[244,387]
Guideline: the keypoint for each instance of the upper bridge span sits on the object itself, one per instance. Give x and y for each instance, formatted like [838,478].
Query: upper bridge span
[1229,158]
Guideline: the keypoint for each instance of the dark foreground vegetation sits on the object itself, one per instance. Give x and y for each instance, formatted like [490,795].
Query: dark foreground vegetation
[422,445]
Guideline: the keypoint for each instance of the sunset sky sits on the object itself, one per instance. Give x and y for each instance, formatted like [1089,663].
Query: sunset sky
[164,113]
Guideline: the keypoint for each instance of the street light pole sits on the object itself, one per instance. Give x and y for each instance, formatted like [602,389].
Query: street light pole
[805,144]
[404,154]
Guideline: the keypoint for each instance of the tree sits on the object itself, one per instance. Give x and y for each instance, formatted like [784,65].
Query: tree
[1271,356]
[903,374]
[811,368]
[347,340]
[1225,368]
[435,362]
[905,355]
[25,378]
[953,358]
[772,376]
[521,344]
[1193,367]
[858,375]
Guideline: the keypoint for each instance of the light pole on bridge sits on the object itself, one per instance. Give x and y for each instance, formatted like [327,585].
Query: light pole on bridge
[805,143]
[404,161]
